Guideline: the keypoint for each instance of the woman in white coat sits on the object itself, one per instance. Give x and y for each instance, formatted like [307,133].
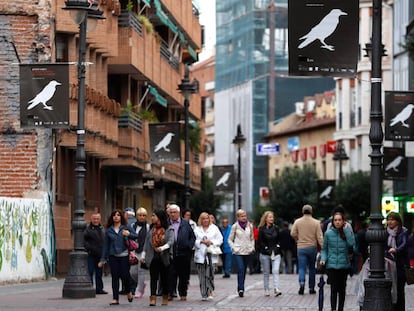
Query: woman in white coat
[207,250]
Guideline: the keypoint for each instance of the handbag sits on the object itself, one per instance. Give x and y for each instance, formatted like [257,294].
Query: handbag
[409,275]
[214,250]
[131,245]
[132,258]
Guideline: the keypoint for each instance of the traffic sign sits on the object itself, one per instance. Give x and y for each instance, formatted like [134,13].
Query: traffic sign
[267,149]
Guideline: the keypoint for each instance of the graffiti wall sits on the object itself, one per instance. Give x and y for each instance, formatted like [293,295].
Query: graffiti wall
[26,237]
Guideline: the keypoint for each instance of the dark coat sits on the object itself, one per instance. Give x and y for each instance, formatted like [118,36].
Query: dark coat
[268,240]
[94,239]
[184,244]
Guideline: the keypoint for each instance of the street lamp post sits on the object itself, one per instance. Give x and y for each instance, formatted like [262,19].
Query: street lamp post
[239,141]
[187,88]
[340,155]
[78,283]
[377,287]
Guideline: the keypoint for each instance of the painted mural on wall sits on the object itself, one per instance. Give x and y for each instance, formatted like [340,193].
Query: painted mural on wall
[25,239]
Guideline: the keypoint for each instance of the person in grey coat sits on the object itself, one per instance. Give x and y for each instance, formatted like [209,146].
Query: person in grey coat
[156,255]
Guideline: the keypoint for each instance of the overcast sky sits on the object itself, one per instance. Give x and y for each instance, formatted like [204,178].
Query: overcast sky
[208,19]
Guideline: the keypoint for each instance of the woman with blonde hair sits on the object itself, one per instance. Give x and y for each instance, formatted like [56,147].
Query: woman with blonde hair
[207,244]
[241,242]
[269,250]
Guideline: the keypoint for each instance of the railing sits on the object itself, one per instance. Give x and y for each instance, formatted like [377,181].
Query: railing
[129,19]
[166,53]
[130,119]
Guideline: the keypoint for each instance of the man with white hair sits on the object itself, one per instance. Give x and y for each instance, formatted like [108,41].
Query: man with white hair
[180,264]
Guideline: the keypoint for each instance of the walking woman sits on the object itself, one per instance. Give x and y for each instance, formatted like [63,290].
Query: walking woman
[116,251]
[336,243]
[241,241]
[156,255]
[208,239]
[269,251]
[396,250]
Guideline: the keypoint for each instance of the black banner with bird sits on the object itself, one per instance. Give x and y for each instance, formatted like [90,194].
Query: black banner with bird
[44,95]
[323,37]
[165,142]
[399,116]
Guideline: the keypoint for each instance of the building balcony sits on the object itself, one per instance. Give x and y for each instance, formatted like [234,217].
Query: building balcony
[145,56]
[101,124]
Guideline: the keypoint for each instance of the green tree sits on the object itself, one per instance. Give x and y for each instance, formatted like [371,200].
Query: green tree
[205,200]
[293,188]
[354,193]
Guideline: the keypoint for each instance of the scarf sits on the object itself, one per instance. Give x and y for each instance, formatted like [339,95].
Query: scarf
[242,224]
[158,236]
[392,233]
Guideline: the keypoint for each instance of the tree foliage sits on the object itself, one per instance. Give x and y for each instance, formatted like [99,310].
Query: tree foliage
[354,193]
[293,188]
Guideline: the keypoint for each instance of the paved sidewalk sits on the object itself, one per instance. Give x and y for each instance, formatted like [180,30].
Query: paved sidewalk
[47,296]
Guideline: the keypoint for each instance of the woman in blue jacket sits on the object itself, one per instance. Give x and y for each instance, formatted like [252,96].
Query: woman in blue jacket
[117,231]
[336,244]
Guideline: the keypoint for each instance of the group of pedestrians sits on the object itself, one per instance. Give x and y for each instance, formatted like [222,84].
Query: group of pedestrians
[167,247]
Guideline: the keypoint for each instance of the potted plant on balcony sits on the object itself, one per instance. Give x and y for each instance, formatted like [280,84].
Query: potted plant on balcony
[149,28]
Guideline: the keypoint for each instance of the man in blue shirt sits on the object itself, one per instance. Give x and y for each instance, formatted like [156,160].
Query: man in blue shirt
[227,256]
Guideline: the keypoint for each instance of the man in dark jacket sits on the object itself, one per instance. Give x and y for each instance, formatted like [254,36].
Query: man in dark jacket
[180,265]
[94,239]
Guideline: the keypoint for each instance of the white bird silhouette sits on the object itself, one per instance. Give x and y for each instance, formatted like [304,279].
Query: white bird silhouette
[323,30]
[223,180]
[326,193]
[402,116]
[164,142]
[394,164]
[44,96]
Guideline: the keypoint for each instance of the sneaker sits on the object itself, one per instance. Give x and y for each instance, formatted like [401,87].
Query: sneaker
[241,293]
[267,293]
[312,291]
[101,292]
[301,290]
[138,294]
[226,276]
[204,299]
[277,292]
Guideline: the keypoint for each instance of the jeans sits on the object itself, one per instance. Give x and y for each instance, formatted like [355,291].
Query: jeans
[227,262]
[119,270]
[241,263]
[266,261]
[307,259]
[93,268]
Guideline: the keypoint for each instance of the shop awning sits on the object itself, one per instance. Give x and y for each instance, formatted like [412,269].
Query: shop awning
[164,18]
[158,98]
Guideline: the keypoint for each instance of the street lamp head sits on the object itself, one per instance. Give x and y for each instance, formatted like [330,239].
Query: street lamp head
[340,153]
[186,87]
[239,139]
[79,9]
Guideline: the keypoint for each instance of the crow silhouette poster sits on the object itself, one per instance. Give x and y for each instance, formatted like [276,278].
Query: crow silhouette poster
[223,178]
[165,142]
[44,95]
[323,38]
[395,163]
[399,115]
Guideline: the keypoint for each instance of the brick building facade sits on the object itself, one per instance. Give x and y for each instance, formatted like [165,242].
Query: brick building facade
[132,69]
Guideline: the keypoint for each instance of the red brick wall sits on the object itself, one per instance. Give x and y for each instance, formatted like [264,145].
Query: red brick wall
[18,158]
